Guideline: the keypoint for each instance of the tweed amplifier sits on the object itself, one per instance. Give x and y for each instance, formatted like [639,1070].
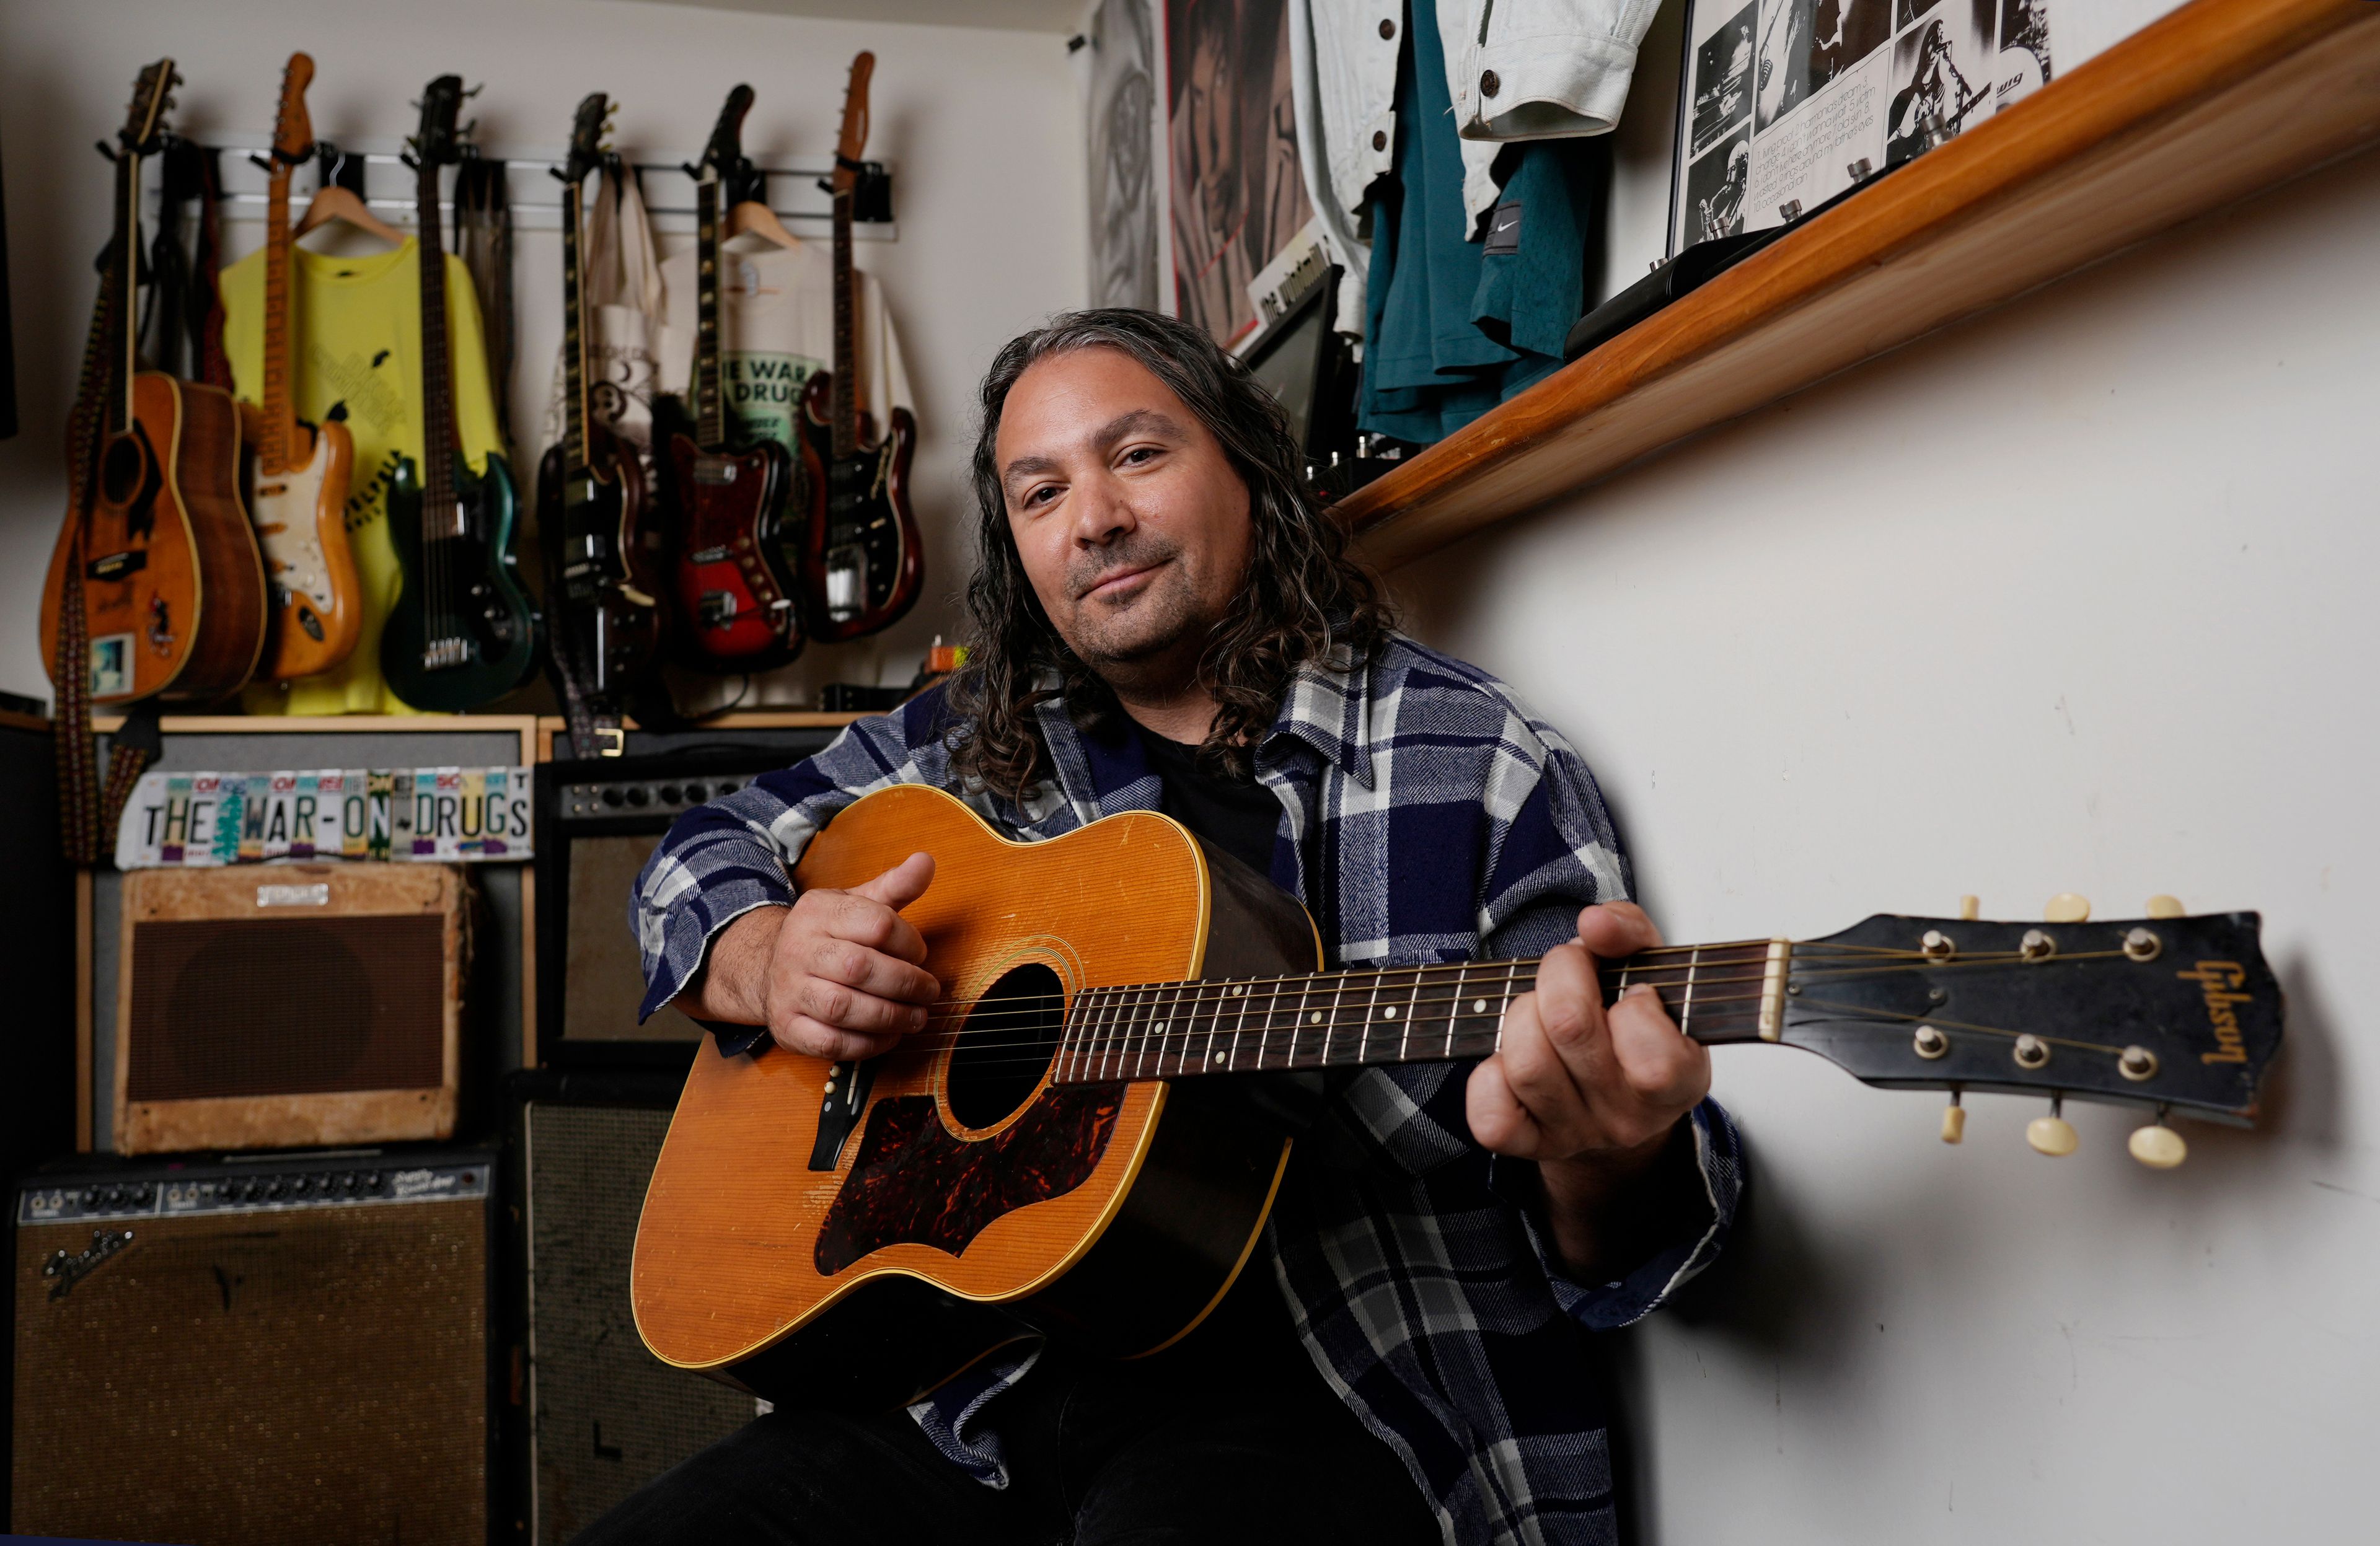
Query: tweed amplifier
[284,1005]
[599,1415]
[255,1352]
[598,821]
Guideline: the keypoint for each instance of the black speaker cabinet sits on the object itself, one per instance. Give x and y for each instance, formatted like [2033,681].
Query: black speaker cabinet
[598,821]
[596,1416]
[268,1352]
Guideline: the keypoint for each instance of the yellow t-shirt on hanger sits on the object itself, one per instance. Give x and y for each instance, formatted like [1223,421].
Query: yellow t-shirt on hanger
[358,332]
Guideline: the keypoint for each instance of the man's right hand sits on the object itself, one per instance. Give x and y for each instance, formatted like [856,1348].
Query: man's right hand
[836,975]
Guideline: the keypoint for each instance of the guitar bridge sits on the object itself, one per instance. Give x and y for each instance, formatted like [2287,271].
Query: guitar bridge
[846,1096]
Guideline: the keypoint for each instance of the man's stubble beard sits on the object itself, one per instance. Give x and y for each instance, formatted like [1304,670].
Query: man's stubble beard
[1142,643]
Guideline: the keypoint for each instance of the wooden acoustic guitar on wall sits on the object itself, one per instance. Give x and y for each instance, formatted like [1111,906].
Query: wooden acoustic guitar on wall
[297,472]
[462,632]
[172,589]
[1059,1151]
[738,596]
[863,558]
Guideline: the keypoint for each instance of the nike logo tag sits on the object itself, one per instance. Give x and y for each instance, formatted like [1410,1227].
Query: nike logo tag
[1504,228]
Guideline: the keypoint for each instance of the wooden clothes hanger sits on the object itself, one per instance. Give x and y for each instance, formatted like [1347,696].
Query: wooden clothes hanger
[333,202]
[752,218]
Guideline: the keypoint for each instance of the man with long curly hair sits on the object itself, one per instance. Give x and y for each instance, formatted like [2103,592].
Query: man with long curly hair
[1164,621]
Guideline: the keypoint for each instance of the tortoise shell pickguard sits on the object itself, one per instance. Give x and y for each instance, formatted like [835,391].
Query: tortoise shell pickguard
[913,1181]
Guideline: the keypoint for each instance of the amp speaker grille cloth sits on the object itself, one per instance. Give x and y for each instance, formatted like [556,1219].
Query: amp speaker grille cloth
[353,1004]
[277,1379]
[609,1416]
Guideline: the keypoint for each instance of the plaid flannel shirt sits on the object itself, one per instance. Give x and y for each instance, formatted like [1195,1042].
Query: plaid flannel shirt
[1425,816]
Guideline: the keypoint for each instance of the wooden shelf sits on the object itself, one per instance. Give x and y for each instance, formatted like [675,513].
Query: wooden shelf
[2217,101]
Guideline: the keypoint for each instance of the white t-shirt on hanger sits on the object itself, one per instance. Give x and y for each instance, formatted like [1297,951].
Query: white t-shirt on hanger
[777,329]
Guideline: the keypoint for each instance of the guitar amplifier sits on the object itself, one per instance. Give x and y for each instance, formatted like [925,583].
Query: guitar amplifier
[255,1352]
[275,1006]
[598,1416]
[598,821]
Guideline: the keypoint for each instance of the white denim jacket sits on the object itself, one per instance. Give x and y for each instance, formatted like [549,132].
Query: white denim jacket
[1559,68]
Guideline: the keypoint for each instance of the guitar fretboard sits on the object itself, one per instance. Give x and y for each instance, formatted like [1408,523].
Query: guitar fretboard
[710,405]
[442,514]
[574,341]
[1412,1014]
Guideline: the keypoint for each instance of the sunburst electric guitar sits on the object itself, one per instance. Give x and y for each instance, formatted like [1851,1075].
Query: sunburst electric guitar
[1048,1156]
[297,472]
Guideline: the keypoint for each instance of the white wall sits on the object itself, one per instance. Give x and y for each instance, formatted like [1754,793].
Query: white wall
[983,126]
[2077,597]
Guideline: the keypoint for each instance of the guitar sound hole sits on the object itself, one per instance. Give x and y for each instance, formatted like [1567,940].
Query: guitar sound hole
[122,470]
[1006,1045]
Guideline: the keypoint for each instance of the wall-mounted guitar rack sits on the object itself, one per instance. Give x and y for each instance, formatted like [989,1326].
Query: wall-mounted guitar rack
[388,186]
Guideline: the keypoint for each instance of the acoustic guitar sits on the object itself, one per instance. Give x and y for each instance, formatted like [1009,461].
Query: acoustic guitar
[863,558]
[1059,1151]
[172,589]
[738,601]
[297,472]
[462,631]
[606,562]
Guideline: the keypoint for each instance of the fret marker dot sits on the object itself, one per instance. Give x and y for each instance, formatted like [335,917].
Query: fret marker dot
[1315,1018]
[1160,1028]
[1479,1006]
[1390,1013]
[1219,1057]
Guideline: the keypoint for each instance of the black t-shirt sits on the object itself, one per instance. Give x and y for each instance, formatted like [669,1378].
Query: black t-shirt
[1238,816]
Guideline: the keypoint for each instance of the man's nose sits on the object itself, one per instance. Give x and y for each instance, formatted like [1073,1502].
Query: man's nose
[1102,512]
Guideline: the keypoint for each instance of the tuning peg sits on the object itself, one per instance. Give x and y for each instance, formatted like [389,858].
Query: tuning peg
[2052,1135]
[1971,908]
[2156,1145]
[2067,908]
[1954,1120]
[2163,906]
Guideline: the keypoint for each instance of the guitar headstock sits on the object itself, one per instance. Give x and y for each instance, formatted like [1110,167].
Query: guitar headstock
[293,128]
[439,141]
[854,138]
[722,159]
[587,128]
[144,116]
[2162,1011]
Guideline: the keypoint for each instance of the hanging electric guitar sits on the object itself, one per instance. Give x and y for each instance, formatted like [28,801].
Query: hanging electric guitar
[172,589]
[462,631]
[737,603]
[297,473]
[863,560]
[1046,1158]
[605,547]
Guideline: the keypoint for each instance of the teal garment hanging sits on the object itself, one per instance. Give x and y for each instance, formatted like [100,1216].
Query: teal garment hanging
[1456,326]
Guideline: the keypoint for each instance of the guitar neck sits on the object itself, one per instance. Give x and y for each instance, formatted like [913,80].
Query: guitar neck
[1717,993]
[124,279]
[845,385]
[276,447]
[710,407]
[574,338]
[441,517]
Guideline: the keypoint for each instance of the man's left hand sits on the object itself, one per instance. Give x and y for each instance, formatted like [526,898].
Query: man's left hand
[1595,1096]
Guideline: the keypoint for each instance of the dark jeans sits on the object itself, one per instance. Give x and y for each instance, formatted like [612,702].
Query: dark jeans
[1163,1453]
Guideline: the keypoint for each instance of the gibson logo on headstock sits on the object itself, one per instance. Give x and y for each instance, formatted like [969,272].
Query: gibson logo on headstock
[2216,979]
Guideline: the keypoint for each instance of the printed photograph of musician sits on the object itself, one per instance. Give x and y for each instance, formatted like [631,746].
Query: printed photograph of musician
[1785,27]
[1723,79]
[1844,32]
[2024,49]
[1238,197]
[1942,76]
[1715,190]
[1120,113]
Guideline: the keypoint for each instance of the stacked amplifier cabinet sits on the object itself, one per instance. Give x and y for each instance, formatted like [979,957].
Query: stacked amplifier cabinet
[290,1349]
[598,821]
[594,1415]
[272,1006]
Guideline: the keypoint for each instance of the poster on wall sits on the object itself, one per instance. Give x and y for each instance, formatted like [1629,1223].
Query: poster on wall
[1123,134]
[1788,103]
[1237,198]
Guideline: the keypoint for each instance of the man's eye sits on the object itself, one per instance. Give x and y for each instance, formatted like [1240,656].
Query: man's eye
[1138,454]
